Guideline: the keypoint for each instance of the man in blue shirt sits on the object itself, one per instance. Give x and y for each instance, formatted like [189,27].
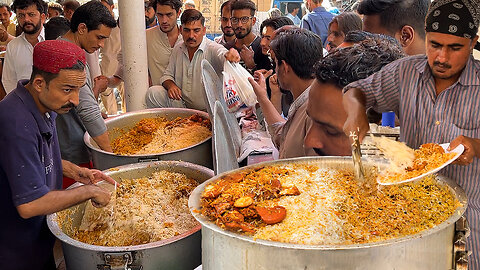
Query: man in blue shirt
[317,20]
[30,165]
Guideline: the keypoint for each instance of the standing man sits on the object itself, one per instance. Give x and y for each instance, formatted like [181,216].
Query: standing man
[150,18]
[296,52]
[339,27]
[182,81]
[17,65]
[69,8]
[91,25]
[246,42]
[317,20]
[402,20]
[7,29]
[293,9]
[30,165]
[225,24]
[54,10]
[162,38]
[436,97]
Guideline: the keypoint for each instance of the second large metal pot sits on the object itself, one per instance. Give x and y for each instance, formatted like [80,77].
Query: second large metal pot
[179,252]
[200,153]
[432,249]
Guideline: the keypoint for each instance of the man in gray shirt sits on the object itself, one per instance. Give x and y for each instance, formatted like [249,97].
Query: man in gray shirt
[91,24]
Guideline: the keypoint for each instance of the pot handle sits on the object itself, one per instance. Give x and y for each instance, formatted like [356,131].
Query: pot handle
[118,261]
[460,253]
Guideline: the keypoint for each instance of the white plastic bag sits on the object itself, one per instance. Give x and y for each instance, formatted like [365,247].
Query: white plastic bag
[230,93]
[243,86]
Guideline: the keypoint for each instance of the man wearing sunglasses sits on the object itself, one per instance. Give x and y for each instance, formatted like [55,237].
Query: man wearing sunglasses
[246,42]
[225,24]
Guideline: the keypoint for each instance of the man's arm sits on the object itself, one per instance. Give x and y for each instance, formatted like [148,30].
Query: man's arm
[58,200]
[168,78]
[84,175]
[9,76]
[472,149]
[269,111]
[174,92]
[357,120]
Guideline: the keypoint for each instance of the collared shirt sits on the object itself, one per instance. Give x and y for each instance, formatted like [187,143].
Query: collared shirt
[158,52]
[30,166]
[407,87]
[220,40]
[317,21]
[295,19]
[187,74]
[18,61]
[288,136]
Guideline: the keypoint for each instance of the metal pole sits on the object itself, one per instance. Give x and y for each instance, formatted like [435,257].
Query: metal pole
[134,50]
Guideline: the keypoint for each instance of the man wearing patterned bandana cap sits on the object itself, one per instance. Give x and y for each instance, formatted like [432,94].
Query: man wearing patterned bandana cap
[436,97]
[30,164]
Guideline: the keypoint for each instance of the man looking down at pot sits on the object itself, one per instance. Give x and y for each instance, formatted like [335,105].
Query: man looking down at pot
[436,97]
[30,165]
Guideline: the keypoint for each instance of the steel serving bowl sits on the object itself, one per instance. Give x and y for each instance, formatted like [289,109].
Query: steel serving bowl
[429,249]
[200,153]
[179,252]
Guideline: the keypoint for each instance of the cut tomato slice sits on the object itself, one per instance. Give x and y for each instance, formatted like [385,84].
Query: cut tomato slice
[272,215]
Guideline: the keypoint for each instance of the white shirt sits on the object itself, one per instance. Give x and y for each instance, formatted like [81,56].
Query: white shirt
[18,61]
[188,75]
[158,52]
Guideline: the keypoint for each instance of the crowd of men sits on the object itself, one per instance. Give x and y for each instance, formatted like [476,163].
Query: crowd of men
[315,78]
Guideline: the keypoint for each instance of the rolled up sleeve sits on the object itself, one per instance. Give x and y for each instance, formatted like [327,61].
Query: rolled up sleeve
[89,112]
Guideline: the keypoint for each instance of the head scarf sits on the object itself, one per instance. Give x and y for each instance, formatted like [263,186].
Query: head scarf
[454,17]
[54,55]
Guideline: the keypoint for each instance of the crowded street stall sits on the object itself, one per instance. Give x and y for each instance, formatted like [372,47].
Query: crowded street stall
[240,134]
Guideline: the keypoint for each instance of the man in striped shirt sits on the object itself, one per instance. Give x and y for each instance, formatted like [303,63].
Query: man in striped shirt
[437,99]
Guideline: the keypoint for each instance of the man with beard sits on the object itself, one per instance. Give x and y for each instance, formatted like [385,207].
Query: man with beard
[333,72]
[150,18]
[246,42]
[436,97]
[162,38]
[225,24]
[182,81]
[30,165]
[17,65]
[91,25]
[296,52]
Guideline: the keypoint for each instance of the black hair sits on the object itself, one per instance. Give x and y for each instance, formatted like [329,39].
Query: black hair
[299,48]
[56,6]
[357,36]
[346,65]
[42,7]
[92,14]
[292,6]
[394,14]
[9,9]
[347,21]
[227,3]
[275,23]
[48,76]
[244,4]
[191,15]
[71,5]
[174,4]
[55,27]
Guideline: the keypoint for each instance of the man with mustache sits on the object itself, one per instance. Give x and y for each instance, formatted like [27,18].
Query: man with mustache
[162,38]
[436,97]
[182,81]
[30,165]
[17,65]
[225,24]
[150,18]
[90,26]
[246,42]
[7,28]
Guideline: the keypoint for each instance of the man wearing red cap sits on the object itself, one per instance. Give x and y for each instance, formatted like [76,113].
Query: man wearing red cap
[30,165]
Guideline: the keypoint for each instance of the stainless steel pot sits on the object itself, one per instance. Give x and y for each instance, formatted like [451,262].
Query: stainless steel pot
[179,252]
[200,153]
[431,249]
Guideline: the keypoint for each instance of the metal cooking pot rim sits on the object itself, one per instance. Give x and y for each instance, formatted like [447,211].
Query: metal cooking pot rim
[194,204]
[55,229]
[87,138]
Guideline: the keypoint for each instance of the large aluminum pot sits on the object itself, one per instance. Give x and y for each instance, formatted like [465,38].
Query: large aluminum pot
[179,252]
[427,250]
[200,153]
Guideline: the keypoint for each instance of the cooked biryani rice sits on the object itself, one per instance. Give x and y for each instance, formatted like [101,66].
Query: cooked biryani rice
[158,135]
[334,209]
[146,210]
